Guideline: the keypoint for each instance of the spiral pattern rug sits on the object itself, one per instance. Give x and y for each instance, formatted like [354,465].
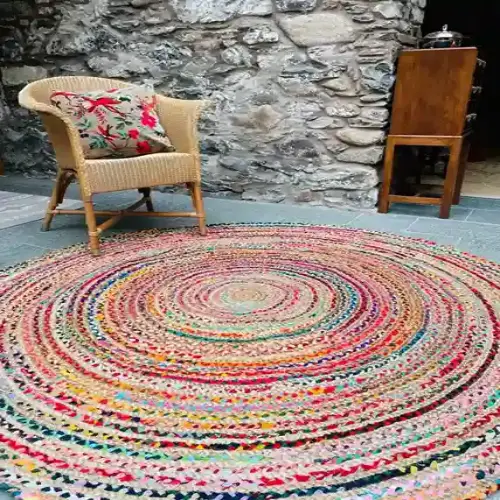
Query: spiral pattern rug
[259,362]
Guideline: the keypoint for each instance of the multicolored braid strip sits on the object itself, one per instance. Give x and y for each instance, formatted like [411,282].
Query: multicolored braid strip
[260,362]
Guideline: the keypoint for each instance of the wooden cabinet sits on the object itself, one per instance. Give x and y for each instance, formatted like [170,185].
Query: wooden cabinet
[435,104]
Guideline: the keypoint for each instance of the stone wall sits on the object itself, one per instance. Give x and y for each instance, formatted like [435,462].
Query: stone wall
[299,87]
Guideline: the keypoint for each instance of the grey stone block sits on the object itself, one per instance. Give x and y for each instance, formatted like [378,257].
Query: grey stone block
[357,137]
[209,11]
[295,5]
[20,75]
[319,28]
[368,156]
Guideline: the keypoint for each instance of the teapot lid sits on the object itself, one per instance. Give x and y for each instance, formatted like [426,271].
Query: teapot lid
[444,34]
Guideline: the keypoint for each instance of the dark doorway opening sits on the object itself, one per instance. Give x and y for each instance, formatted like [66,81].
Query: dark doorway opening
[478,20]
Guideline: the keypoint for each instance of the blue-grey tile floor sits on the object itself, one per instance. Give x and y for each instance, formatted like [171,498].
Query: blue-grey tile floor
[474,225]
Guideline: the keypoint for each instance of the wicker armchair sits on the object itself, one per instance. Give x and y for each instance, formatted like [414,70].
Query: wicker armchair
[94,176]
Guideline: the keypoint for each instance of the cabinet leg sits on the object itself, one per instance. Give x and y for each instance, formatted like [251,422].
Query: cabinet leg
[464,156]
[385,191]
[450,183]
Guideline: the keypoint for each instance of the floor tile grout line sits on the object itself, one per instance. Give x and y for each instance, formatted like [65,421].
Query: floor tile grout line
[32,245]
[474,222]
[411,224]
[437,219]
[469,214]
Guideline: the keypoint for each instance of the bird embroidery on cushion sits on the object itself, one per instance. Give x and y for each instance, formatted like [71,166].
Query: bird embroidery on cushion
[106,102]
[106,133]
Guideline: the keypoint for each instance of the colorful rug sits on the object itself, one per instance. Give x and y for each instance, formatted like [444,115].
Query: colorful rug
[260,362]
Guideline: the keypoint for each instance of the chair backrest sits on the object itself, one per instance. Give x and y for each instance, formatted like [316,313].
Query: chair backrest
[42,89]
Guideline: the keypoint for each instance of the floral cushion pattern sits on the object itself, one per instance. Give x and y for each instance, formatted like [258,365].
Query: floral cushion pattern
[118,122]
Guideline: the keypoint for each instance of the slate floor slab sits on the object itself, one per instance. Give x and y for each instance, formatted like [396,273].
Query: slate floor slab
[474,226]
[19,208]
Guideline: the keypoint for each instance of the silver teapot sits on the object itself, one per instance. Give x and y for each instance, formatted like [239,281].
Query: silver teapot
[442,39]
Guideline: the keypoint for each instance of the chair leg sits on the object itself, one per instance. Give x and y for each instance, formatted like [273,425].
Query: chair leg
[197,197]
[451,180]
[67,177]
[146,192]
[92,226]
[385,191]
[54,200]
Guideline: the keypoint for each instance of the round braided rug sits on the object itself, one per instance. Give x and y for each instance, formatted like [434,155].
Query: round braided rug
[259,362]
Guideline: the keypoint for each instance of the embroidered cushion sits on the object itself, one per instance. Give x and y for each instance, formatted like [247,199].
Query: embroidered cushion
[117,122]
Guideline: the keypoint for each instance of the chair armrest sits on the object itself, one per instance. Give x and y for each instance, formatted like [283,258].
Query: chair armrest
[62,132]
[179,118]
